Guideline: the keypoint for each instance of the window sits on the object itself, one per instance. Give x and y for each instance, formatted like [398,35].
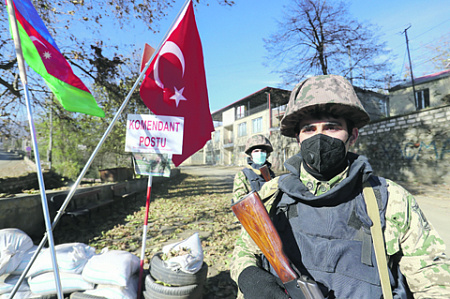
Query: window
[422,99]
[240,112]
[257,125]
[242,129]
[216,136]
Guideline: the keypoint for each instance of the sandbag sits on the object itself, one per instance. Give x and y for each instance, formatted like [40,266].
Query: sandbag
[44,284]
[71,258]
[7,283]
[113,267]
[26,258]
[116,292]
[14,243]
[18,295]
[189,263]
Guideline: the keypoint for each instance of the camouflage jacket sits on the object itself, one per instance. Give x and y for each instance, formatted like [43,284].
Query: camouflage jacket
[423,261]
[241,185]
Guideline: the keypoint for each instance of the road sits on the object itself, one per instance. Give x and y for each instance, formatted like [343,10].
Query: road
[434,200]
[437,211]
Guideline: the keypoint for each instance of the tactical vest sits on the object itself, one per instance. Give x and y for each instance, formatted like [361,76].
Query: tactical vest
[334,231]
[256,181]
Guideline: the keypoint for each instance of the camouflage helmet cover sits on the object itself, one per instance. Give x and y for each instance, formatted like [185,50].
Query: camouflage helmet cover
[258,141]
[326,93]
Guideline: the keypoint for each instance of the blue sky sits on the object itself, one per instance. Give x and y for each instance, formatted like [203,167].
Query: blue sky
[233,47]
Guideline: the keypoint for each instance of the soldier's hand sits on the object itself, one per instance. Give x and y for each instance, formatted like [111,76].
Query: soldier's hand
[256,283]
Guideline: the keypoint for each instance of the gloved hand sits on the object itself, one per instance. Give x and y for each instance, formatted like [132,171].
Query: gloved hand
[256,283]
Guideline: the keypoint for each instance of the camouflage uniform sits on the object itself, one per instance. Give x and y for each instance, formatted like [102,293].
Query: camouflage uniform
[407,233]
[241,185]
[424,263]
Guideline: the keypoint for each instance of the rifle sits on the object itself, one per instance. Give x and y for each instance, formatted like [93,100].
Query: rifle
[265,173]
[254,218]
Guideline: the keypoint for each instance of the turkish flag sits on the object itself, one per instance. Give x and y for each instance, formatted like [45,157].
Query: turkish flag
[175,84]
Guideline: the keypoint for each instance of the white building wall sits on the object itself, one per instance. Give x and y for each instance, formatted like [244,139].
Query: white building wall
[402,101]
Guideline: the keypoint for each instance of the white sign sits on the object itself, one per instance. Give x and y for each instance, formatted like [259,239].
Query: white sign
[154,134]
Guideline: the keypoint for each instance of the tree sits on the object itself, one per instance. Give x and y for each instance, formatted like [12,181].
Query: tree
[80,28]
[95,59]
[441,53]
[319,37]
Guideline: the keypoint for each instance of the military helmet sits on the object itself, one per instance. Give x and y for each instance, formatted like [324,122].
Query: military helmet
[258,141]
[326,93]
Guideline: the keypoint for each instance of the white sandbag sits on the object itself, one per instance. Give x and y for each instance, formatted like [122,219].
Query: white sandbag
[71,258]
[13,245]
[116,292]
[7,283]
[189,263]
[19,295]
[26,258]
[44,284]
[113,267]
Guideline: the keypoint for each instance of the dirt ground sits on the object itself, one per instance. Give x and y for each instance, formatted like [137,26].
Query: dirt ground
[194,201]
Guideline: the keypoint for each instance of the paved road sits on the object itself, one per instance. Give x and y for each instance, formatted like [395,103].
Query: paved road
[13,165]
[434,200]
[437,211]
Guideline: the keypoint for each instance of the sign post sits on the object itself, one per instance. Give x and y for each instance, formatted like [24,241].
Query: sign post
[152,139]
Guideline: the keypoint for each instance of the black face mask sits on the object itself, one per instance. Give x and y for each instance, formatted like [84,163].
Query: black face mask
[323,154]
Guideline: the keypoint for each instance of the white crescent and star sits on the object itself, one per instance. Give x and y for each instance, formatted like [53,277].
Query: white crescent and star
[47,54]
[170,47]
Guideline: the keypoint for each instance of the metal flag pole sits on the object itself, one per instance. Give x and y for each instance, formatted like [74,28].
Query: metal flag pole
[94,153]
[144,235]
[23,77]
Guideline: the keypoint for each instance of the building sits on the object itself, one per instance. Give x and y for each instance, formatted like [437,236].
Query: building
[430,91]
[241,119]
[235,123]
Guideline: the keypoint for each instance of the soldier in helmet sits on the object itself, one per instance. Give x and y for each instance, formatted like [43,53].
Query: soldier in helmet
[258,149]
[320,213]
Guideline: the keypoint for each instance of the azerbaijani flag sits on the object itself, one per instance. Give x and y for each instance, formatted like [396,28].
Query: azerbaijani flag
[43,56]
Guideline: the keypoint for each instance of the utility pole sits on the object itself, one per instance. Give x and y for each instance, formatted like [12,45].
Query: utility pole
[410,67]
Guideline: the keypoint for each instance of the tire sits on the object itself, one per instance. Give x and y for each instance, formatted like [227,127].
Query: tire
[154,290]
[159,271]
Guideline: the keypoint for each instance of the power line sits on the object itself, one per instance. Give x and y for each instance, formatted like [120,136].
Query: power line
[430,29]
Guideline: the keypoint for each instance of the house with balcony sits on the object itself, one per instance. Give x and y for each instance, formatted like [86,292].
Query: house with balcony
[261,113]
[423,92]
[235,123]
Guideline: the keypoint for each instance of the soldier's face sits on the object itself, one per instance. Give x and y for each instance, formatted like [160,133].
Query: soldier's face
[332,127]
[259,150]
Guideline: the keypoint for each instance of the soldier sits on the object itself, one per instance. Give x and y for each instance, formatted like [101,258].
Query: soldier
[320,213]
[258,149]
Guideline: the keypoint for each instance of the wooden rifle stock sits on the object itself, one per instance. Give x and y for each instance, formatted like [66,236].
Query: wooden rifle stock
[254,218]
[265,173]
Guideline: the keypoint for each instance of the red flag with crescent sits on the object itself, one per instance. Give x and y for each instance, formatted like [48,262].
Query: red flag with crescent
[175,84]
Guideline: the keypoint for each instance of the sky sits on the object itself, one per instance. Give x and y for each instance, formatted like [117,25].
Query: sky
[233,47]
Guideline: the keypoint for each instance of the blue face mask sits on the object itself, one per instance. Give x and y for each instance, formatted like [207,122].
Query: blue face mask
[259,157]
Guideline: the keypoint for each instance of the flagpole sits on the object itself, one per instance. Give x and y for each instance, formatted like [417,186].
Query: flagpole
[94,153]
[23,77]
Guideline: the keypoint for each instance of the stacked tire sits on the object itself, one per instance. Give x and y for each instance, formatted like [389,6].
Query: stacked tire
[177,284]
